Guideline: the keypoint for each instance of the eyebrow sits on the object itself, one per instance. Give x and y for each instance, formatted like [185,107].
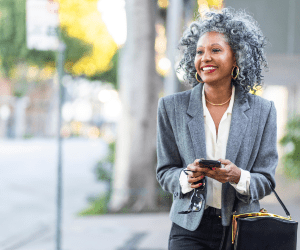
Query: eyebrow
[211,45]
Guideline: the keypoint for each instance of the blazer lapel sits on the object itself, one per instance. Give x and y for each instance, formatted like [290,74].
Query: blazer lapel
[196,124]
[239,122]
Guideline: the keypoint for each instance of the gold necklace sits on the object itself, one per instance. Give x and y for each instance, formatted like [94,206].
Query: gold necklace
[218,104]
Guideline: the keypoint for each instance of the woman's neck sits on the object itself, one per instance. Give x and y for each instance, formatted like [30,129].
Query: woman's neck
[217,94]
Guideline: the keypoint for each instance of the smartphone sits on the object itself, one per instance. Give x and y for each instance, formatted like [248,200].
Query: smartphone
[206,164]
[209,164]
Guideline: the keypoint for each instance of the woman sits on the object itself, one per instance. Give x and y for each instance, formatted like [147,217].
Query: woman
[218,119]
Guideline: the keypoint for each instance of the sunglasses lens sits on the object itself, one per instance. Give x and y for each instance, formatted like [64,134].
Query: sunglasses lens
[197,201]
[197,207]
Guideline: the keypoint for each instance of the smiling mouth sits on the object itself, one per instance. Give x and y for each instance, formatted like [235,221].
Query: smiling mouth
[209,69]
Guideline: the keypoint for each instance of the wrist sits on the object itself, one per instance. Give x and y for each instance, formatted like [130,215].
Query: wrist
[236,179]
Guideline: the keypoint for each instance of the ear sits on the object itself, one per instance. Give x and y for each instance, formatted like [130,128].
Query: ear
[234,61]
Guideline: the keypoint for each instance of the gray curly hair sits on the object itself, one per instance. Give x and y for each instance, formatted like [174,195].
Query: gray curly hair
[242,34]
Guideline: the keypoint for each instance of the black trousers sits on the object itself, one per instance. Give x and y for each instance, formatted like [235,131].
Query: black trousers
[208,236]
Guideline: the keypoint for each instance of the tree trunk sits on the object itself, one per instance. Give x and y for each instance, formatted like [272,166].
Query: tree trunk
[134,178]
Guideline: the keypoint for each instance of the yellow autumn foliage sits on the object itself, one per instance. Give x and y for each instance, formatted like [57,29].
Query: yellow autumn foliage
[215,3]
[163,3]
[81,19]
[205,5]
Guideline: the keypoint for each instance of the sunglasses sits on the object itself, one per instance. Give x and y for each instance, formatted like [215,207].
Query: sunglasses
[197,198]
[196,203]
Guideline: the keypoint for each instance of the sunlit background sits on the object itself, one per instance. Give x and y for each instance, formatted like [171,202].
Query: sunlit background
[94,35]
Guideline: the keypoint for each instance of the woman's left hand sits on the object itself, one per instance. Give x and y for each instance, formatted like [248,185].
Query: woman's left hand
[230,173]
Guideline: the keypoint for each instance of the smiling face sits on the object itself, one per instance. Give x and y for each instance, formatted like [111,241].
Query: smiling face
[214,59]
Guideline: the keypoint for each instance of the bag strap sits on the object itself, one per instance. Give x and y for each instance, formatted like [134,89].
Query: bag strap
[280,201]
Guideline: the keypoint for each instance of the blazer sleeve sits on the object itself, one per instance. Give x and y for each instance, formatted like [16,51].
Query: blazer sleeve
[263,170]
[169,163]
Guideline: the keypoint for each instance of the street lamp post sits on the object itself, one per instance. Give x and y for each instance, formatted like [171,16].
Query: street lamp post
[60,71]
[41,23]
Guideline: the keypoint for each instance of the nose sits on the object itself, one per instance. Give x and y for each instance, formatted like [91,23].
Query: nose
[206,57]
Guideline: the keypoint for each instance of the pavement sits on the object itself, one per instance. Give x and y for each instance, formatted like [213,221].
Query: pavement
[108,232]
[27,210]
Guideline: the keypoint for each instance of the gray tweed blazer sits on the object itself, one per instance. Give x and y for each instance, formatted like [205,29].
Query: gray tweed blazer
[251,146]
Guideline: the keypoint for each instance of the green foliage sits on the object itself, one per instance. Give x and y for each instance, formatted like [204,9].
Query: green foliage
[110,75]
[103,172]
[103,168]
[20,89]
[98,206]
[124,210]
[12,27]
[39,58]
[291,140]
[112,152]
[28,136]
[75,49]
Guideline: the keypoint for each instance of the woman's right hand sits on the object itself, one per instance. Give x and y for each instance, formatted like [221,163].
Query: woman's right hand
[196,175]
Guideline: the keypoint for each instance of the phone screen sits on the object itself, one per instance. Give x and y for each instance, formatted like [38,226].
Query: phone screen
[209,164]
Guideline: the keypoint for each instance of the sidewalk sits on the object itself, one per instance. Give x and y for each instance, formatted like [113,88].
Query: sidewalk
[143,231]
[147,231]
[109,232]
[123,232]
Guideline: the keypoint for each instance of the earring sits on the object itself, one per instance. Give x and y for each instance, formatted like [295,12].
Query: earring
[237,73]
[196,75]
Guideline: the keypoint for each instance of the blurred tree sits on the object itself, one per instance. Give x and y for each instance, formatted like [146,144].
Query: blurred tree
[90,48]
[82,20]
[13,34]
[134,181]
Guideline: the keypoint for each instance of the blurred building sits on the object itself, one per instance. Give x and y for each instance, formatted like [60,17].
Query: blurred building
[26,115]
[40,106]
[90,109]
[279,21]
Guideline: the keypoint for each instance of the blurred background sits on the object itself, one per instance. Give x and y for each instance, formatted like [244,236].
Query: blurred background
[94,71]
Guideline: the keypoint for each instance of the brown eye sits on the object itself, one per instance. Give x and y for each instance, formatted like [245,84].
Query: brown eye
[199,52]
[216,50]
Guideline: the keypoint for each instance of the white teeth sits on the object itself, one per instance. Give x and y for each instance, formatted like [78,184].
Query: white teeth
[208,68]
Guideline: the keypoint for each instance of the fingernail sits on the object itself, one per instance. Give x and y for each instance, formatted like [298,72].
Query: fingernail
[200,184]
[202,176]
[213,168]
